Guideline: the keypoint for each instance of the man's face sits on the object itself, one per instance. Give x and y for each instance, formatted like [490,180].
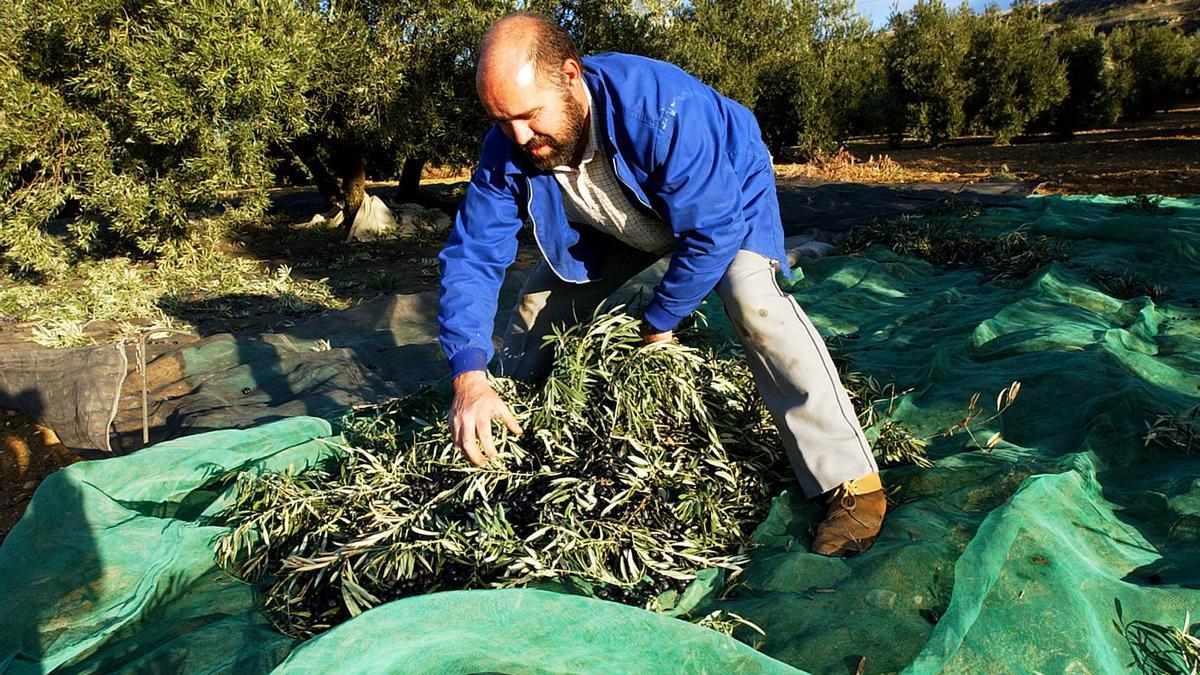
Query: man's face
[546,120]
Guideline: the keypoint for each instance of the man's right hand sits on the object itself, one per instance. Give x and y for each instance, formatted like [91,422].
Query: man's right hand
[475,405]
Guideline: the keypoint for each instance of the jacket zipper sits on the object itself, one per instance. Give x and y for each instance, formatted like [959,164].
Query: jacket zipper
[533,223]
[625,185]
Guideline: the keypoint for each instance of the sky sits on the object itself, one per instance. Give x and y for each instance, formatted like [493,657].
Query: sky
[879,10]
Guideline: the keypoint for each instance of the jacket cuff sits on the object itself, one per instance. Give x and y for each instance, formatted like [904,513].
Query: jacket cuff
[471,358]
[658,318]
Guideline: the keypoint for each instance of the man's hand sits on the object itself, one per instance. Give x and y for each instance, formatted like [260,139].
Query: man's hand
[475,405]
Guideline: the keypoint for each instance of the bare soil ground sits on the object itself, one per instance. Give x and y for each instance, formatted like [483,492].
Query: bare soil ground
[28,453]
[1159,155]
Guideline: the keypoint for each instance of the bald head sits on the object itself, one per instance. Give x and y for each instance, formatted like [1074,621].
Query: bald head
[527,47]
[530,82]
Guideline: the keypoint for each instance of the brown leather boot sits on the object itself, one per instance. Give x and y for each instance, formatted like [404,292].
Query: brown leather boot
[855,515]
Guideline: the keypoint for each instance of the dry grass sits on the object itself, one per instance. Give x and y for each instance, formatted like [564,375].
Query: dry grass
[1154,156]
[445,174]
[140,296]
[843,166]
[1108,13]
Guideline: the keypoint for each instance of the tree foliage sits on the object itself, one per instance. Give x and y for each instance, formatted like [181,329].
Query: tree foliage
[438,116]
[125,119]
[350,111]
[729,43]
[631,26]
[835,83]
[805,67]
[1093,99]
[1011,71]
[925,70]
[858,82]
[1155,66]
[124,123]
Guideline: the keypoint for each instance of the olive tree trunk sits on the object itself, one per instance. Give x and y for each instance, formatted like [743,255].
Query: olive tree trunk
[410,180]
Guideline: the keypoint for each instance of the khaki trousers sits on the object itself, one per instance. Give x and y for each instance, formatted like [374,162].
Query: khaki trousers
[791,367]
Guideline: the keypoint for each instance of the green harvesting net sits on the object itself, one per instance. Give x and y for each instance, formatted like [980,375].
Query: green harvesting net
[1070,544]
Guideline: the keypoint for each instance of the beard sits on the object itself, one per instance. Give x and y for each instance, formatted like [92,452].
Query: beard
[562,144]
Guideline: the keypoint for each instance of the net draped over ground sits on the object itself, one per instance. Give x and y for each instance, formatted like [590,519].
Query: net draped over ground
[1033,555]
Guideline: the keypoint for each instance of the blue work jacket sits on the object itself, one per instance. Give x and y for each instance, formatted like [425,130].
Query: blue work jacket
[682,151]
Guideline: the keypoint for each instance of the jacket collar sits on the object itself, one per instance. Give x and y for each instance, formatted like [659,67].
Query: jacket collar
[516,164]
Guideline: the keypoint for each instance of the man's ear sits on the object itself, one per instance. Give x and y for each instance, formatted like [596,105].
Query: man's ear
[571,71]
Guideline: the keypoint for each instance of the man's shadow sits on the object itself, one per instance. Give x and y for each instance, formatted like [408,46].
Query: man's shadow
[52,568]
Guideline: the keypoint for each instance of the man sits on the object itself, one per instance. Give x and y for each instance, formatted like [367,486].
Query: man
[616,160]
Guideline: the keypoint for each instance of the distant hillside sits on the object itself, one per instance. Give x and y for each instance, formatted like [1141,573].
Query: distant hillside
[1109,14]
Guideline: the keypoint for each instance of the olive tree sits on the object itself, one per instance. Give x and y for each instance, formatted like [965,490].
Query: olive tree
[121,121]
[1093,97]
[1155,65]
[924,57]
[1012,71]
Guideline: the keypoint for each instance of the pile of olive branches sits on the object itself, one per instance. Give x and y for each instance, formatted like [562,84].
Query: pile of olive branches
[948,235]
[639,465]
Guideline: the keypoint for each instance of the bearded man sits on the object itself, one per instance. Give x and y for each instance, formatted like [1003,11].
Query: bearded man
[616,160]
